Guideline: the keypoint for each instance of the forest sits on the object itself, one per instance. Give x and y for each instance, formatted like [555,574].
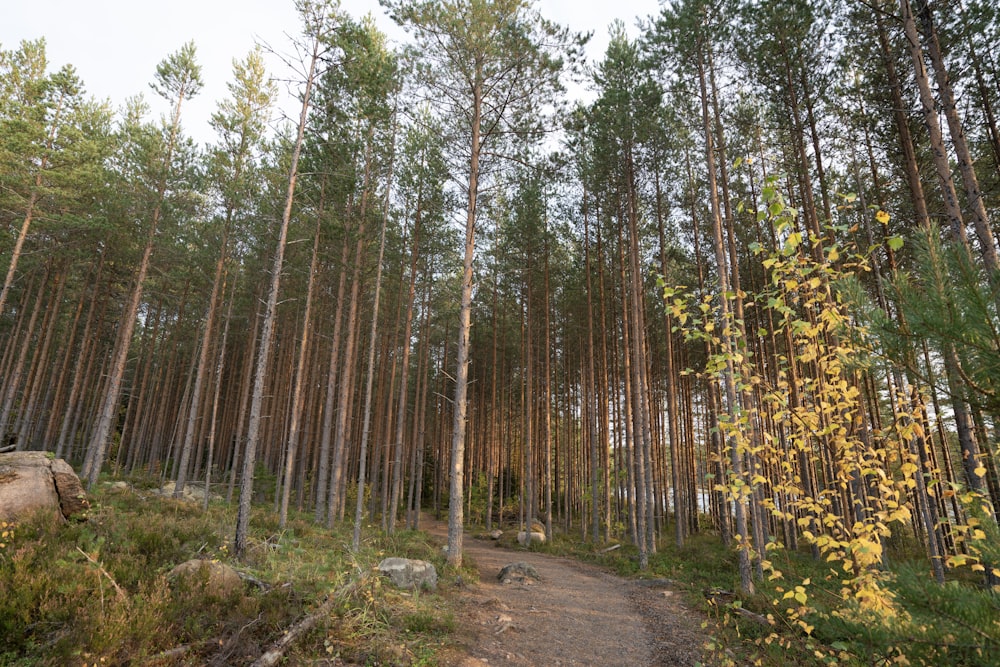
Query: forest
[749,289]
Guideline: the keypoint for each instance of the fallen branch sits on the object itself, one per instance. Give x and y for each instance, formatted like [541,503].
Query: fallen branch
[249,578]
[273,655]
[118,589]
[175,652]
[178,651]
[609,549]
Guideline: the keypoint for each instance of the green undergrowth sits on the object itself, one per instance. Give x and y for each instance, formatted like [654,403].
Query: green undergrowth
[97,592]
[954,624]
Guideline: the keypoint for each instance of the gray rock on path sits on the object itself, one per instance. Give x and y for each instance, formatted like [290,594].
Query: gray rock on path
[30,481]
[409,574]
[519,572]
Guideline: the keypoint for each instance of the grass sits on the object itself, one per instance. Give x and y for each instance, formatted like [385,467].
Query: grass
[97,592]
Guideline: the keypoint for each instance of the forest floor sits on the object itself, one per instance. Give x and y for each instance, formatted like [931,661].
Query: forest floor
[573,614]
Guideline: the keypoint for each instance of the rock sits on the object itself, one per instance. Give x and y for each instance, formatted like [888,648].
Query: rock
[409,574]
[118,487]
[72,498]
[518,572]
[522,537]
[211,576]
[496,534]
[504,623]
[30,481]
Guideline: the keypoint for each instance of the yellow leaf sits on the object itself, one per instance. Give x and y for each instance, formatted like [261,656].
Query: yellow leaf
[882,217]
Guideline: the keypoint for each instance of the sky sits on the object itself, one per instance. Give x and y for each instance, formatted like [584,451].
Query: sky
[115,45]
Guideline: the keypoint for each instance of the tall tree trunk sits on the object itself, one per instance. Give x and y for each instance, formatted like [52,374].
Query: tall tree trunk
[29,213]
[970,182]
[744,540]
[13,381]
[345,405]
[300,375]
[203,357]
[263,357]
[401,402]
[932,123]
[455,503]
[363,453]
[109,405]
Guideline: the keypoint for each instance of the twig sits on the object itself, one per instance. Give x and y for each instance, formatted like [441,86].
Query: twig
[757,618]
[118,589]
[222,657]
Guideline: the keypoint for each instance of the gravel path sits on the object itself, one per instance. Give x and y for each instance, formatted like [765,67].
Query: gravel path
[573,614]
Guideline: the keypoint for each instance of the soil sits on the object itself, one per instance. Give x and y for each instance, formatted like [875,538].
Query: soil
[572,614]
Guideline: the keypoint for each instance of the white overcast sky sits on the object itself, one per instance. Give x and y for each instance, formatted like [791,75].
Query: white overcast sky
[115,45]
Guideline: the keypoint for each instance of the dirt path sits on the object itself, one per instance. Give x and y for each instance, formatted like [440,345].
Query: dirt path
[574,614]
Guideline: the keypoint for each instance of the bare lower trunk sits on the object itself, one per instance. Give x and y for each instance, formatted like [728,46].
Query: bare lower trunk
[455,503]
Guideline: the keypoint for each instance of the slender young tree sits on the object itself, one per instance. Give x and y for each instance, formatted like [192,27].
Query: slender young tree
[485,62]
[319,19]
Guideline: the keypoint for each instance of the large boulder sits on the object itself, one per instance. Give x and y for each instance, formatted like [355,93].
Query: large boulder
[32,481]
[409,574]
[211,576]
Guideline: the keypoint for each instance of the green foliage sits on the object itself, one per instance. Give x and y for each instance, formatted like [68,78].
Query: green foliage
[947,300]
[952,624]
